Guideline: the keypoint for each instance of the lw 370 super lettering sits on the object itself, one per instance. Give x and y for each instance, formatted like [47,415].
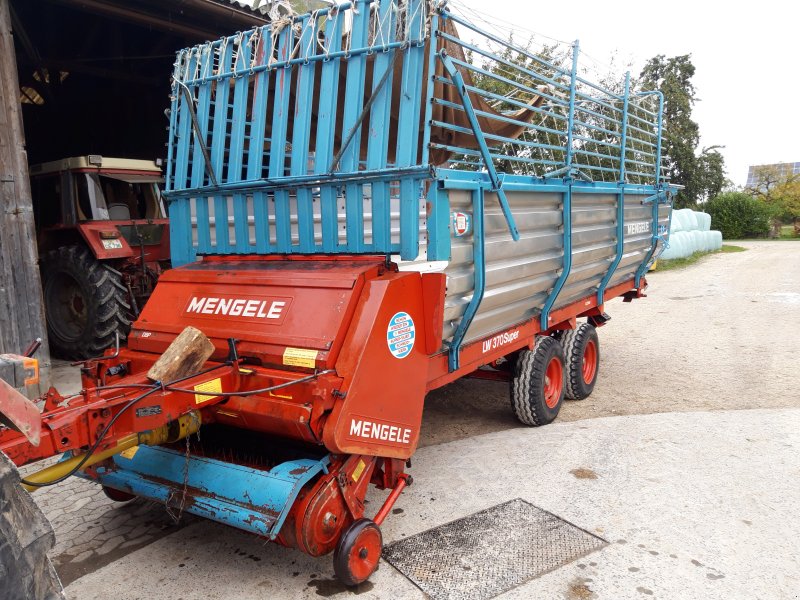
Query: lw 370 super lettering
[237,307]
[501,339]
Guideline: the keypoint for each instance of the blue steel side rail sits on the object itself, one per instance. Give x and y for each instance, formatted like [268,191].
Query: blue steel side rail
[479,285]
[484,149]
[663,196]
[567,200]
[470,180]
[601,289]
[662,193]
[312,180]
[410,108]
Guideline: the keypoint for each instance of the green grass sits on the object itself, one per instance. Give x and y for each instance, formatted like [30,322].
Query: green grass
[679,263]
[787,233]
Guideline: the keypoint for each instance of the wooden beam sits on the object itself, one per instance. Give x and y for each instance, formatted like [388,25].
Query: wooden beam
[21,307]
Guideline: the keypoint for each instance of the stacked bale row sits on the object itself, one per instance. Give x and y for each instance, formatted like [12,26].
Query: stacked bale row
[689,232]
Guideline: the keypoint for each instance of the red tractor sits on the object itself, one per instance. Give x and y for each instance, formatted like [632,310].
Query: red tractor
[103,240]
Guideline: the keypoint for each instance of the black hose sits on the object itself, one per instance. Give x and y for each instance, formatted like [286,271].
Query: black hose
[94,446]
[168,387]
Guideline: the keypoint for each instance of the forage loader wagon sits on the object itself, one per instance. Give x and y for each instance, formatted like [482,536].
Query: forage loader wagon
[366,203]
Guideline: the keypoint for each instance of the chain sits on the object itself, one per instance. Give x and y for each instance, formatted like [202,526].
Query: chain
[177,517]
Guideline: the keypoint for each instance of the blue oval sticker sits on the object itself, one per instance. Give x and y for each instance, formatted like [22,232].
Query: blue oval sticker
[400,335]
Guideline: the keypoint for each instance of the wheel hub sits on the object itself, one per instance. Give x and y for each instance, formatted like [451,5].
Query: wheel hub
[589,364]
[553,382]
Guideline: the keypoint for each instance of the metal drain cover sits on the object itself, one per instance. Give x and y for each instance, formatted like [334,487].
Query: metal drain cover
[489,552]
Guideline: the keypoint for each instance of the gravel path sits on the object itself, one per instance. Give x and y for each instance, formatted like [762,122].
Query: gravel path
[723,333]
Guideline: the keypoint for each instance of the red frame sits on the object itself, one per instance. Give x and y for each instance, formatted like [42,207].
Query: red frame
[340,307]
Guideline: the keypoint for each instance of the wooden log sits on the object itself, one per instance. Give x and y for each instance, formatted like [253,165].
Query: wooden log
[184,357]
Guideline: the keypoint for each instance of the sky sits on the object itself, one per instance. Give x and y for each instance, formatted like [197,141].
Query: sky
[746,54]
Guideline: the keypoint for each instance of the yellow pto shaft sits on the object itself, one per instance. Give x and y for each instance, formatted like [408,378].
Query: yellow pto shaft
[171,432]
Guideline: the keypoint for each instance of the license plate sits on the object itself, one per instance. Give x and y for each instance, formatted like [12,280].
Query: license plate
[112,244]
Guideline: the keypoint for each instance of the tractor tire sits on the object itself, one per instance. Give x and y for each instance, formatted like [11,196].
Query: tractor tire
[537,388]
[25,537]
[85,302]
[582,357]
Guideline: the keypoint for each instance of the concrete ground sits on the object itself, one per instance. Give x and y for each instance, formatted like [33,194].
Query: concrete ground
[694,506]
[694,503]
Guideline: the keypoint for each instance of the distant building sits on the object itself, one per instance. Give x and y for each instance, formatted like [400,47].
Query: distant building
[784,169]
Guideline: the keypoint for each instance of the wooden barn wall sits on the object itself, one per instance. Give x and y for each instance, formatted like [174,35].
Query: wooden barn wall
[21,309]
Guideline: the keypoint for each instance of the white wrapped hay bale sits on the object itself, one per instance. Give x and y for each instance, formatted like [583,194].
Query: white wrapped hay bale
[703,221]
[677,246]
[691,220]
[680,220]
[690,233]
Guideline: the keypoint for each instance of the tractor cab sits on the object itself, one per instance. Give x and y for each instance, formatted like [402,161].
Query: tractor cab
[103,238]
[76,190]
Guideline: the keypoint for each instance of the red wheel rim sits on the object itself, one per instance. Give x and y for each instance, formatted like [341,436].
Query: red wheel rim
[553,382]
[589,367]
[365,554]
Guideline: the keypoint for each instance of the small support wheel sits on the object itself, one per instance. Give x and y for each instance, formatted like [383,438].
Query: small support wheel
[358,552]
[582,358]
[117,495]
[537,389]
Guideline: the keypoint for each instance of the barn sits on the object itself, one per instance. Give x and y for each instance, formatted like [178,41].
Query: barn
[82,78]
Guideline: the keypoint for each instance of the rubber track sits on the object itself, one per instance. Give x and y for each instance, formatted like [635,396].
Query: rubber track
[570,340]
[530,367]
[113,311]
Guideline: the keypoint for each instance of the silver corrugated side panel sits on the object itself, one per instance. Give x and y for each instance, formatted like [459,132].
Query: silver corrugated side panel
[520,275]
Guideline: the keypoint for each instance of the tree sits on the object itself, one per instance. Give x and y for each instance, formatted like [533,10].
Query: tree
[779,188]
[701,173]
[739,215]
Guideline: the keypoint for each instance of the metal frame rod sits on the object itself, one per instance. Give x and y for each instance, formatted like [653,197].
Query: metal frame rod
[567,200]
[484,149]
[601,289]
[479,286]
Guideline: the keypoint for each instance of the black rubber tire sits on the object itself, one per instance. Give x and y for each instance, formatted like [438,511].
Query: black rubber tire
[85,303]
[528,384]
[353,574]
[117,495]
[575,341]
[25,538]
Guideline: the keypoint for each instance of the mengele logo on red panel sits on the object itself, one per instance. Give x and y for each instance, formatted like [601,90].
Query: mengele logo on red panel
[268,309]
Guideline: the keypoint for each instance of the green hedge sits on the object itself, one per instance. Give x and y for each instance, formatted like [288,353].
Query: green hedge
[738,215]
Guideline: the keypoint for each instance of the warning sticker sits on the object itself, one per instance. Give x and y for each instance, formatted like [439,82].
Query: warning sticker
[461,224]
[215,385]
[129,453]
[400,335]
[300,357]
[359,470]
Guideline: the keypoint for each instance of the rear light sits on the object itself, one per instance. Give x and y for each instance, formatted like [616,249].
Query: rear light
[109,235]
